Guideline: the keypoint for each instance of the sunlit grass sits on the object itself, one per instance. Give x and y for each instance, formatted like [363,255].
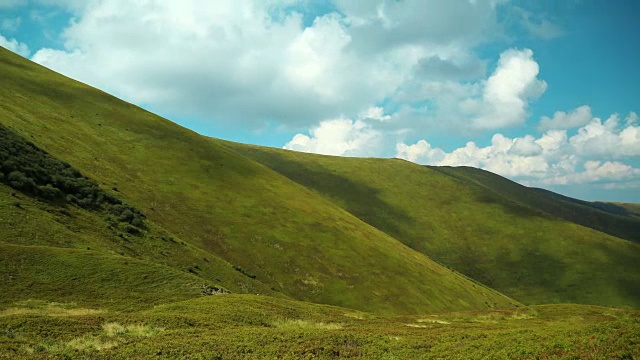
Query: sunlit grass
[115,329]
[244,326]
[299,324]
[38,307]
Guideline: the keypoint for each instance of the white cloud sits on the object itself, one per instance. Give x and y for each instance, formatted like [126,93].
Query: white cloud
[252,61]
[596,171]
[508,90]
[374,113]
[501,100]
[344,136]
[14,45]
[552,159]
[632,184]
[631,119]
[562,120]
[607,139]
[420,152]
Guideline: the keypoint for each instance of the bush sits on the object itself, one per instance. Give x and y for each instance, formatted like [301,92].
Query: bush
[132,230]
[25,167]
[244,271]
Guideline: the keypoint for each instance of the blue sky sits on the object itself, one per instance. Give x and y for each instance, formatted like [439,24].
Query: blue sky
[543,92]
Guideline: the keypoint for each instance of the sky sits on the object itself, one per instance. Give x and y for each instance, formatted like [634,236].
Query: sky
[544,92]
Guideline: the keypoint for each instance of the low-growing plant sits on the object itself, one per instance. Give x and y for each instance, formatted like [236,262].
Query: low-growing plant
[305,325]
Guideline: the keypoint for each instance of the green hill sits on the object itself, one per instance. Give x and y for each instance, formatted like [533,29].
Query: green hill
[609,218]
[497,234]
[178,200]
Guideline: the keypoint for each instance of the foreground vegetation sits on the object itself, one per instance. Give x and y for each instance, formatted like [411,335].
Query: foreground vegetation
[254,327]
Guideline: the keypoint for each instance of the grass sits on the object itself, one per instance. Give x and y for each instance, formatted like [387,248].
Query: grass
[39,307]
[112,335]
[258,327]
[609,218]
[299,324]
[89,279]
[491,234]
[115,329]
[214,203]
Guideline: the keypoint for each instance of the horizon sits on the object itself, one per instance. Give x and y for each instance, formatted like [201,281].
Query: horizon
[538,92]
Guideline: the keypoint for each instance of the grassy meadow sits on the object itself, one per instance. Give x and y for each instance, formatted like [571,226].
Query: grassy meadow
[258,327]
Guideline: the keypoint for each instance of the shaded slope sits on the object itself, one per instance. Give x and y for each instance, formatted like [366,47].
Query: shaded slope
[520,251]
[632,209]
[606,217]
[218,202]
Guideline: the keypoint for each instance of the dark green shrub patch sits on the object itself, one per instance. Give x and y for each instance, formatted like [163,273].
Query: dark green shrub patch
[34,172]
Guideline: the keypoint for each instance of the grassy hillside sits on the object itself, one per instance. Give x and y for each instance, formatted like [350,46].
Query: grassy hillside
[27,222]
[210,212]
[89,278]
[605,217]
[631,209]
[517,249]
[245,326]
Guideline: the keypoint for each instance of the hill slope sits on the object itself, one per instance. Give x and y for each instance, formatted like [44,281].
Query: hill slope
[209,210]
[605,217]
[510,246]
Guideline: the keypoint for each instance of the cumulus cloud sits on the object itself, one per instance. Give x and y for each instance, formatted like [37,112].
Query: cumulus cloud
[253,61]
[498,101]
[607,139]
[595,171]
[14,45]
[379,25]
[508,90]
[343,136]
[421,152]
[631,119]
[562,120]
[554,158]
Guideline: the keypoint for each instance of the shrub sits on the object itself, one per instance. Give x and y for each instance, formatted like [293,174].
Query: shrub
[25,167]
[244,271]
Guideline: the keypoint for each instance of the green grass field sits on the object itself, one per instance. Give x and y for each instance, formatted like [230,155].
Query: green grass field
[257,327]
